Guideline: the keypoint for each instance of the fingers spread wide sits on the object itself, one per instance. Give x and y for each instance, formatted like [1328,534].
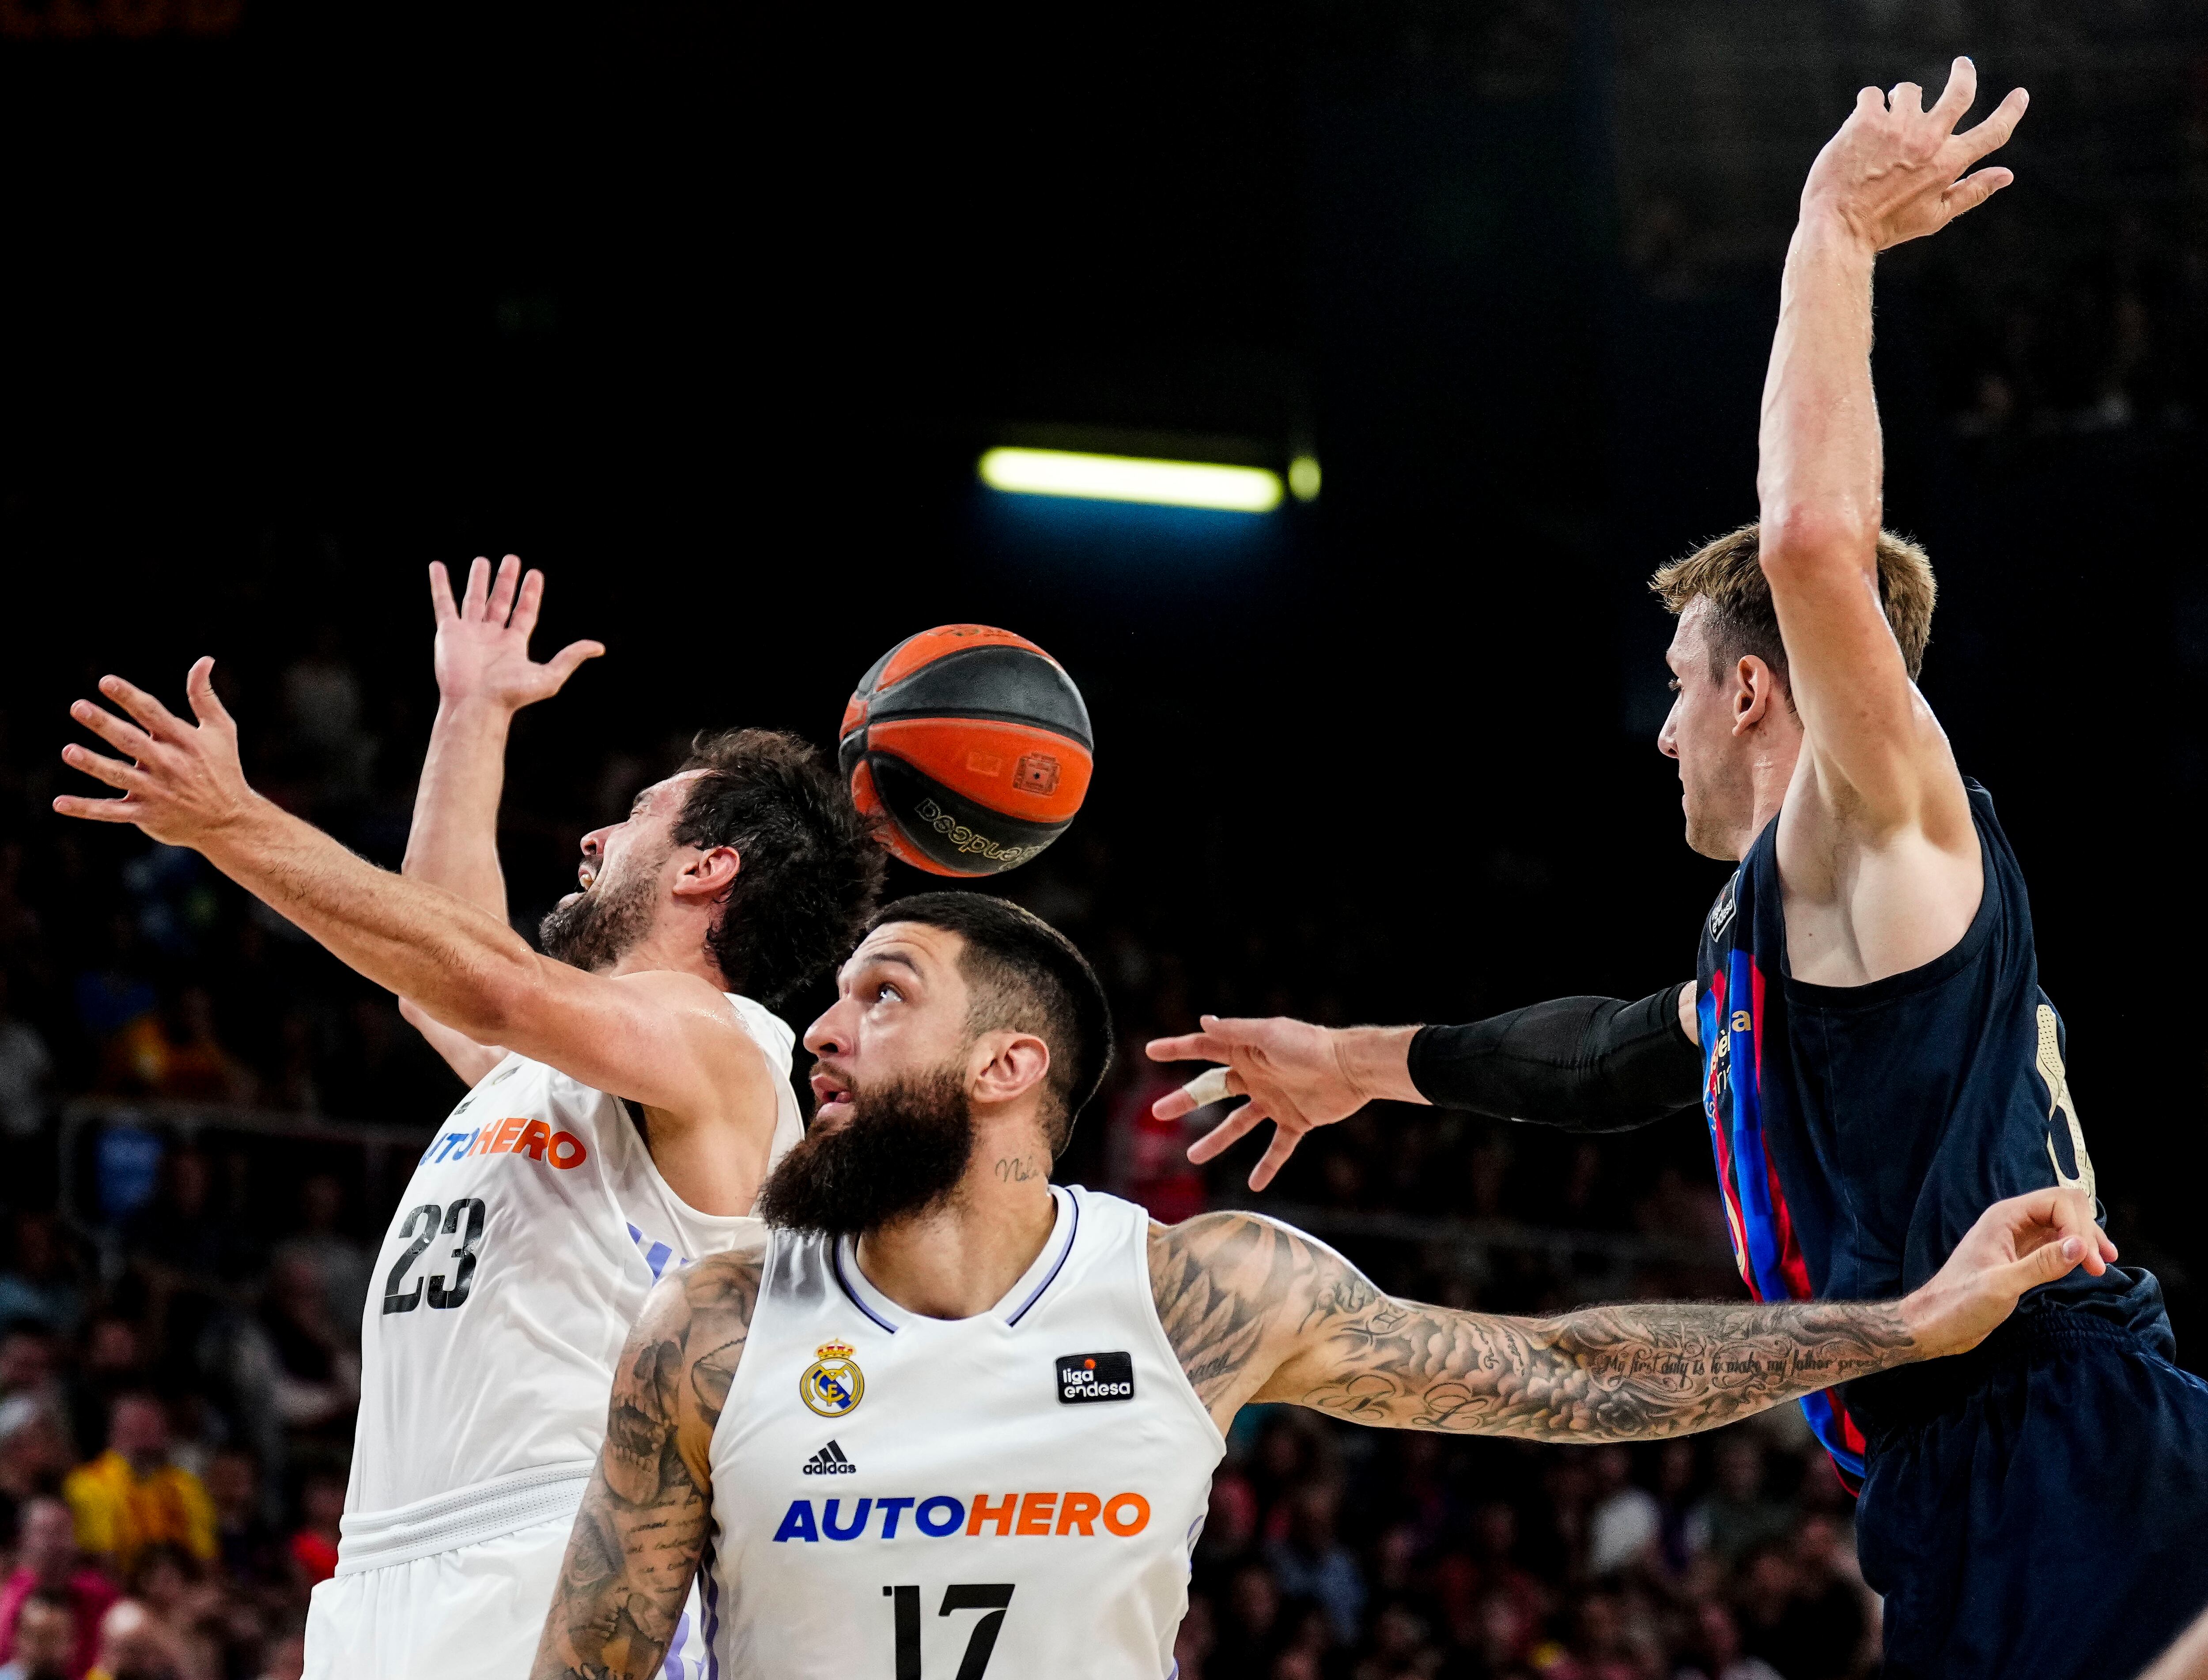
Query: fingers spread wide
[156,719]
[119,732]
[1960,93]
[472,603]
[1229,1132]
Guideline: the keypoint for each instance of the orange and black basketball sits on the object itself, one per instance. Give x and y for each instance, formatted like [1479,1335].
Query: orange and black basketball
[973,743]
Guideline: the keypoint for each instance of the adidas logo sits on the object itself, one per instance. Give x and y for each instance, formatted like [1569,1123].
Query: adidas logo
[830,1462]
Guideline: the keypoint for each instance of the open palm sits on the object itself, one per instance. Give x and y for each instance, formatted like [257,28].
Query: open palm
[483,642]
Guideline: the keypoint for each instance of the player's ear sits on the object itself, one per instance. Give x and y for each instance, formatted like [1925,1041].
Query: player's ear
[1755,686]
[1017,1063]
[710,874]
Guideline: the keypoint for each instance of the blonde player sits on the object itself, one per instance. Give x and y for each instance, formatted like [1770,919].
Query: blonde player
[631,1090]
[956,1421]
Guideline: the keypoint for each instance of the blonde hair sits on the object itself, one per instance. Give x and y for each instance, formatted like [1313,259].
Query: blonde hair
[1727,572]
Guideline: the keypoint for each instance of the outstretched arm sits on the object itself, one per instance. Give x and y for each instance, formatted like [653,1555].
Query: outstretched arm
[666,1039]
[1583,1063]
[484,676]
[641,1529]
[1259,1312]
[1877,758]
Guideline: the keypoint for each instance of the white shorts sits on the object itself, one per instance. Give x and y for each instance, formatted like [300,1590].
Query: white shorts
[473,1612]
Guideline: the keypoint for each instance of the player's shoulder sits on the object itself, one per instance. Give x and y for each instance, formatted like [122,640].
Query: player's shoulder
[720,1291]
[709,1015]
[1225,1241]
[679,988]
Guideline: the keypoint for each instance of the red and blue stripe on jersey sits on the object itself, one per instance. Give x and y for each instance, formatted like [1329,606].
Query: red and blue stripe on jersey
[1731,1010]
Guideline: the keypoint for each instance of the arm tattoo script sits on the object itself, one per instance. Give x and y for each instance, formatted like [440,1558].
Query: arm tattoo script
[641,1529]
[1257,1311]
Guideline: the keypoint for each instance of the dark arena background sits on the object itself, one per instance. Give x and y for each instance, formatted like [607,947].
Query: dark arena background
[711,314]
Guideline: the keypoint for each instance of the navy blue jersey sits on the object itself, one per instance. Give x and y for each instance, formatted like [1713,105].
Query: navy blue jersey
[1860,1130]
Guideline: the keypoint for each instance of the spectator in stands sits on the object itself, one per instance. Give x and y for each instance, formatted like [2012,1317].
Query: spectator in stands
[314,1548]
[112,994]
[112,1364]
[1193,1642]
[1716,1652]
[340,1265]
[1254,1626]
[26,1067]
[135,1644]
[131,1496]
[190,1608]
[194,1256]
[1607,1644]
[48,1565]
[1626,1518]
[34,1456]
[286,1658]
[1763,1593]
[45,1644]
[1495,1553]
[1736,1518]
[300,1359]
[41,1285]
[174,1053]
[251,1552]
[1826,1620]
[26,1366]
[1310,1563]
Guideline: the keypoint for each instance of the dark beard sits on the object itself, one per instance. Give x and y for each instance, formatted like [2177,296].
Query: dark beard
[902,1151]
[595,929]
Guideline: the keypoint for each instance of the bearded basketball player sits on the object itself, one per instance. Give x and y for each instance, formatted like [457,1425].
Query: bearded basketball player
[956,1420]
[1868,1037]
[630,1093]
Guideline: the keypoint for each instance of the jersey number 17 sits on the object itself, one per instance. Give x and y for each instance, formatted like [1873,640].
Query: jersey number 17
[991,1600]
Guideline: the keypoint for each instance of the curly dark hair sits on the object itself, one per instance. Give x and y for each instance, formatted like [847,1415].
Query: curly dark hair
[812,869]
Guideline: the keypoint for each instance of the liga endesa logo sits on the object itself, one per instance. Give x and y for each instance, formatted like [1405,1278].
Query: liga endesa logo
[939,1516]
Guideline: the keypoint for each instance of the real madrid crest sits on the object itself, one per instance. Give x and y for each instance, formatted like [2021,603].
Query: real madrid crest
[832,1385]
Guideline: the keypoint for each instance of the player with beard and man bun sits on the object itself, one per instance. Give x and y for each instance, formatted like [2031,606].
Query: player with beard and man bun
[956,1420]
[631,1091]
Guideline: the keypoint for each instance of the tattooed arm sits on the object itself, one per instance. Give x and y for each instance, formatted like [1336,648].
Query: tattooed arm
[1258,1311]
[641,1529]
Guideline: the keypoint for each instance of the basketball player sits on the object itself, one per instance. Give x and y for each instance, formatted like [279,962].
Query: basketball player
[1876,1059]
[957,1420]
[631,1090]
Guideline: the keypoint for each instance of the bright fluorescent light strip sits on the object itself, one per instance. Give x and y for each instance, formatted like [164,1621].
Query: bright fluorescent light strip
[1239,490]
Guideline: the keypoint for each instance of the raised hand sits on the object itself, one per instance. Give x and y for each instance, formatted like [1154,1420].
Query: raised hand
[1895,171]
[483,642]
[181,782]
[2015,1245]
[1294,1074]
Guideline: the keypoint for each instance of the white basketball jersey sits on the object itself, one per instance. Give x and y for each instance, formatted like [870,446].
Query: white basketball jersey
[1012,1495]
[530,1234]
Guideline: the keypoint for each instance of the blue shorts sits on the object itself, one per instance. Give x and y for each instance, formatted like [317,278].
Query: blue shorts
[2042,1508]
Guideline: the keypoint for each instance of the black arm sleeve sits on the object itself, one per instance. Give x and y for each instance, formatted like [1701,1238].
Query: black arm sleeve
[1583,1064]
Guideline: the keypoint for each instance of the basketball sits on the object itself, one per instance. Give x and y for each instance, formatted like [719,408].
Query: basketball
[969,745]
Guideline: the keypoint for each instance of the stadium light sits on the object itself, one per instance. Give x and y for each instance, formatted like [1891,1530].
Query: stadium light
[1065,472]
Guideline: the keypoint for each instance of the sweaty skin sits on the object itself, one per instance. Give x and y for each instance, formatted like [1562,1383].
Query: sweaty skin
[1256,1311]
